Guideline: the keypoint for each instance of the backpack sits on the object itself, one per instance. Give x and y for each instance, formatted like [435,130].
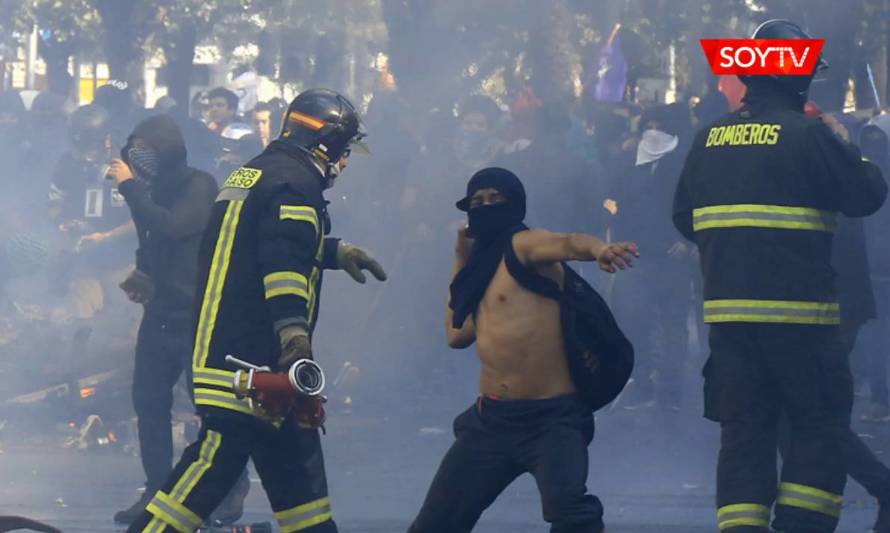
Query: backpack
[600,357]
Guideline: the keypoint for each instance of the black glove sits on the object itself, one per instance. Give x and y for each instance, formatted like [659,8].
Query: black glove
[353,260]
[139,287]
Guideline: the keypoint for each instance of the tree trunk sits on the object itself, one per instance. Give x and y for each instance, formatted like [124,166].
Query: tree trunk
[56,55]
[123,38]
[180,54]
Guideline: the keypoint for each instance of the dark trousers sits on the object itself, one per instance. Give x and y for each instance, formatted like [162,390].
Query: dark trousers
[163,352]
[496,441]
[862,464]
[755,373]
[288,460]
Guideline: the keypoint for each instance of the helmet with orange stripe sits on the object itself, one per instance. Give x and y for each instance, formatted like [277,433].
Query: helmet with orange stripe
[326,125]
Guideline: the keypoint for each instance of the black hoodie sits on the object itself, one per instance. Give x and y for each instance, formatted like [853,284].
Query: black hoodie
[170,213]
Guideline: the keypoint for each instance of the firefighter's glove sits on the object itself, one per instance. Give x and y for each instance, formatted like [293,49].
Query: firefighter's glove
[309,412]
[295,345]
[353,260]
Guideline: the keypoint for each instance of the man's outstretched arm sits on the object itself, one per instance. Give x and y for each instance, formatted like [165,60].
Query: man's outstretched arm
[540,246]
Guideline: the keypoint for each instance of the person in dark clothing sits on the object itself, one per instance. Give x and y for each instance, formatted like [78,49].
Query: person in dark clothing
[529,417]
[653,300]
[759,194]
[874,140]
[260,270]
[170,203]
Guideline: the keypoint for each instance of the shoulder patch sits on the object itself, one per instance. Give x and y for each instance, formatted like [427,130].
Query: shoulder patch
[243,178]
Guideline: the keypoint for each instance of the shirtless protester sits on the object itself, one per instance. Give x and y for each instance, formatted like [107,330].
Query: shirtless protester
[529,417]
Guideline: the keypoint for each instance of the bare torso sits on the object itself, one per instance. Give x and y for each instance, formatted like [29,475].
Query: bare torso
[519,340]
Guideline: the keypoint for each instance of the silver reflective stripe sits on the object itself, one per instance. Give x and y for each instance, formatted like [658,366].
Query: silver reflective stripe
[826,219]
[295,520]
[176,514]
[820,313]
[286,284]
[811,499]
[197,469]
[232,194]
[238,404]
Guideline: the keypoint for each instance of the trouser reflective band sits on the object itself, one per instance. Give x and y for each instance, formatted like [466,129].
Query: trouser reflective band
[743,514]
[173,513]
[772,311]
[304,516]
[810,498]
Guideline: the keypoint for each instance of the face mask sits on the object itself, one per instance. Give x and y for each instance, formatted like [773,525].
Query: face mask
[488,220]
[144,161]
[654,145]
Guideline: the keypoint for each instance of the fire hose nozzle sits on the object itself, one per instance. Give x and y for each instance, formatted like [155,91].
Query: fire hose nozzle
[306,377]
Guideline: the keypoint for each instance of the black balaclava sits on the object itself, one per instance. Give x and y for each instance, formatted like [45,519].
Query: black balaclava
[492,227]
[488,221]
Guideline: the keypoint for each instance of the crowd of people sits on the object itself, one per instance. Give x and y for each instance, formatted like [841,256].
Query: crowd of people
[68,238]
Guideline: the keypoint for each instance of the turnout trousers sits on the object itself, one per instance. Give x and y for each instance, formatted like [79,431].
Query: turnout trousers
[288,460]
[755,373]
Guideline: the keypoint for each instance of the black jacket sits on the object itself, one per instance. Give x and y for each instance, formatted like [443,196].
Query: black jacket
[759,194]
[170,214]
[260,268]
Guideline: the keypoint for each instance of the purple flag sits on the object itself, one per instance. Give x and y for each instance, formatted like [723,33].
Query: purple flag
[611,76]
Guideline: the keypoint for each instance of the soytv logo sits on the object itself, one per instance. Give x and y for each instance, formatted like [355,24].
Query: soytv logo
[760,57]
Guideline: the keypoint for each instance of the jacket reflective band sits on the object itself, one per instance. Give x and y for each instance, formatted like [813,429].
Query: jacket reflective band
[214,377]
[281,283]
[223,400]
[215,281]
[743,514]
[785,312]
[304,516]
[810,498]
[301,213]
[173,513]
[762,216]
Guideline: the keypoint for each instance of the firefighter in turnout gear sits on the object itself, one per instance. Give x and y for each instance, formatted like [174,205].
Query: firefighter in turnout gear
[758,194]
[260,267]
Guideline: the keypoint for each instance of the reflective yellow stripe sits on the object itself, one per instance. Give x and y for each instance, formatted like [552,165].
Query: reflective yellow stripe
[155,526]
[213,376]
[215,282]
[300,213]
[196,470]
[313,293]
[223,400]
[282,283]
[304,516]
[763,216]
[772,311]
[743,514]
[174,513]
[810,498]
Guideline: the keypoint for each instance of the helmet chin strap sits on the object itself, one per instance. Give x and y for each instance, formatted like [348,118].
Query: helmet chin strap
[329,171]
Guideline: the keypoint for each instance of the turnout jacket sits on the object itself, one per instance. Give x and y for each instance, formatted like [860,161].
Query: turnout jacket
[759,194]
[260,268]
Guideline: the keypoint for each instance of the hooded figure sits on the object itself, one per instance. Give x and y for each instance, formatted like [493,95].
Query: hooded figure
[170,203]
[492,227]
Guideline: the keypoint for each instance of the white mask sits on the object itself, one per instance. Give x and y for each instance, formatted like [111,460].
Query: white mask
[654,145]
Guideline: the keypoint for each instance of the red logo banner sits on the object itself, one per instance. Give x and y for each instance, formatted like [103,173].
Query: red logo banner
[759,57]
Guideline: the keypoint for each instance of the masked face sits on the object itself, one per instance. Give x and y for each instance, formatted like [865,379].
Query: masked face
[144,160]
[490,213]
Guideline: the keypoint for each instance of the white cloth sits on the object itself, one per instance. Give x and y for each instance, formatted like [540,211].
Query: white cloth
[654,145]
